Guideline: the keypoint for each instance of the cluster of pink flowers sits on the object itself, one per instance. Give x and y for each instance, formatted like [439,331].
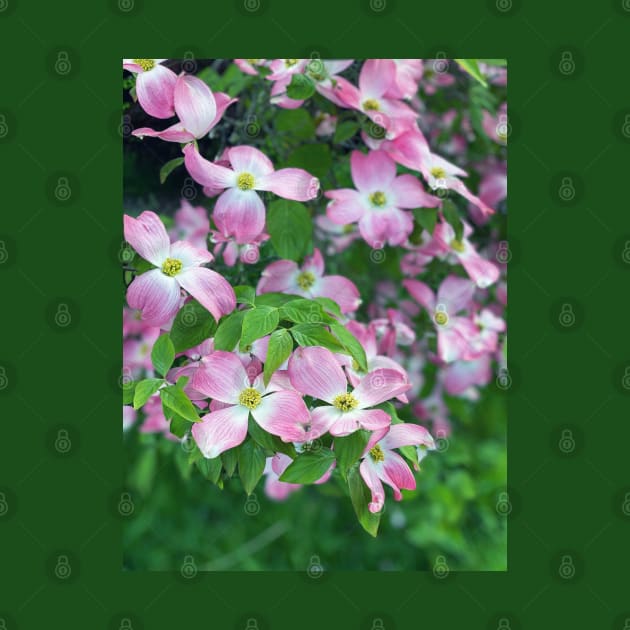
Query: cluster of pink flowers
[351,376]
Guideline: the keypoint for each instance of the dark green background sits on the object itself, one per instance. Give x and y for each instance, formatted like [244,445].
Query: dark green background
[66,252]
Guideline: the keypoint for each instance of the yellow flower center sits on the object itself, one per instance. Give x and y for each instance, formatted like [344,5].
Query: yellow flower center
[253,61]
[171,267]
[457,245]
[371,104]
[345,402]
[145,64]
[441,318]
[250,398]
[306,280]
[438,172]
[290,62]
[245,181]
[378,199]
[376,453]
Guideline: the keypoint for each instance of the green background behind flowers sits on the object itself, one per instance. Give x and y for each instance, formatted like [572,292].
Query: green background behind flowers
[563,504]
[457,512]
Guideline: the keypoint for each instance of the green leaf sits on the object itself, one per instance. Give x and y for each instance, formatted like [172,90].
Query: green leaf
[471,66]
[330,306]
[303,311]
[348,449]
[308,467]
[361,497]
[179,426]
[174,398]
[313,158]
[345,131]
[315,335]
[297,122]
[290,228]
[278,351]
[193,324]
[144,390]
[274,299]
[229,332]
[351,344]
[267,441]
[245,294]
[251,463]
[169,167]
[230,459]
[451,214]
[163,354]
[257,323]
[494,62]
[301,87]
[210,468]
[426,218]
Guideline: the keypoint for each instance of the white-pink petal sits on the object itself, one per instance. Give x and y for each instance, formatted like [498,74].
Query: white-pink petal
[148,236]
[314,371]
[222,377]
[156,295]
[221,430]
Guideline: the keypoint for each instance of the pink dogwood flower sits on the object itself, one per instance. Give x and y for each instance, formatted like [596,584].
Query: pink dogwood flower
[157,293]
[224,379]
[155,86]
[454,332]
[239,209]
[408,73]
[377,77]
[411,150]
[309,281]
[198,109]
[379,203]
[381,464]
[460,377]
[480,270]
[315,371]
[247,253]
